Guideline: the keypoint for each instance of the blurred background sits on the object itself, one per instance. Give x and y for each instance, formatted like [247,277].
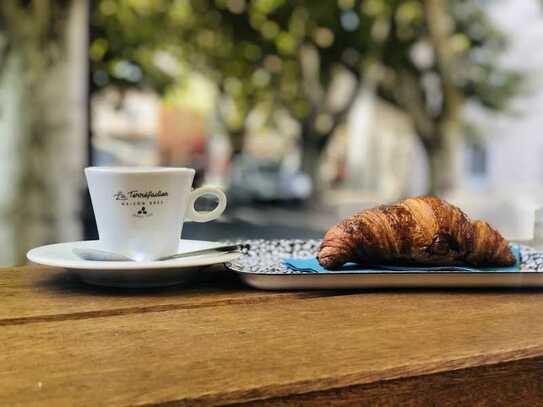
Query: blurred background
[303,111]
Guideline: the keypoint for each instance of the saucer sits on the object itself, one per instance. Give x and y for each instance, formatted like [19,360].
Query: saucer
[130,274]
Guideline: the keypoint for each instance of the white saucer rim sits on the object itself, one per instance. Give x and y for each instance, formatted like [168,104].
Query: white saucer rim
[36,256]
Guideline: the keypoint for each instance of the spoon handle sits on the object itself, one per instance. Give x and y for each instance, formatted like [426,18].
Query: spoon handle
[102,255]
[226,248]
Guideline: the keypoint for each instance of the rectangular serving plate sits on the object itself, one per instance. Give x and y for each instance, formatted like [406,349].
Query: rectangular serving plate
[442,279]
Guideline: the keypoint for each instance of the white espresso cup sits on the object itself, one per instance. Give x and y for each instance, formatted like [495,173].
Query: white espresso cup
[140,211]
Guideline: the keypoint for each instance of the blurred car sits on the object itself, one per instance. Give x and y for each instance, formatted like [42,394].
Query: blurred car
[263,180]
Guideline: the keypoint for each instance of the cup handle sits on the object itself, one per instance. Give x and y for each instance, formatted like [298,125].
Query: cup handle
[195,216]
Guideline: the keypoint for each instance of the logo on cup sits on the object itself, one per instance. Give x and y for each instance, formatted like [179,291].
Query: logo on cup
[142,212]
[119,196]
[143,201]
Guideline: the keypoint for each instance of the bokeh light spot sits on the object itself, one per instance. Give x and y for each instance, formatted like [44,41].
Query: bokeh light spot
[236,6]
[350,21]
[269,29]
[324,37]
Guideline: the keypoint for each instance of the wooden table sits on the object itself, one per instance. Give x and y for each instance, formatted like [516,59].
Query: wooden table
[64,343]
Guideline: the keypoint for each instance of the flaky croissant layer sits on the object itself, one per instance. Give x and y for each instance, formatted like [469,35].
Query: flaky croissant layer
[424,230]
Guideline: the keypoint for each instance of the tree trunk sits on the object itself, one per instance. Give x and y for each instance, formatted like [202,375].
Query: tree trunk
[311,149]
[44,132]
[442,154]
[11,122]
[435,167]
[237,141]
[443,162]
[359,163]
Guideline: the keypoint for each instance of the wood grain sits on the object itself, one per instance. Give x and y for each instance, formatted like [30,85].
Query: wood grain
[288,347]
[36,294]
[511,384]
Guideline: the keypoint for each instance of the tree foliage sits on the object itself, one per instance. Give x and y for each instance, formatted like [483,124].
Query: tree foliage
[427,57]
[29,25]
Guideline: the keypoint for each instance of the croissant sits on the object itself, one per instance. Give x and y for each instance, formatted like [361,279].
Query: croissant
[424,230]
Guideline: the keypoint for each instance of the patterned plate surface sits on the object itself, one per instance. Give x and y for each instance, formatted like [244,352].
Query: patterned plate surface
[264,256]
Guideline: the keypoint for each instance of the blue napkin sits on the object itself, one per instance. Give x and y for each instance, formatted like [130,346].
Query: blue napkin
[311,265]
